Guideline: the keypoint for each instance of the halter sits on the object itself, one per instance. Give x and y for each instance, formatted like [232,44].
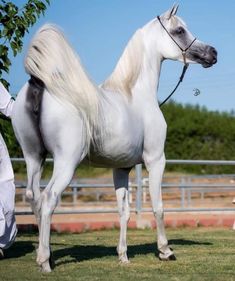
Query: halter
[184,58]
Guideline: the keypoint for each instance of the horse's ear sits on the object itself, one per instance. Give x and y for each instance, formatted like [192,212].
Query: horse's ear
[171,12]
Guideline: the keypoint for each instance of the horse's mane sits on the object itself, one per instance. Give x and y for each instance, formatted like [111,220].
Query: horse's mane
[128,67]
[51,59]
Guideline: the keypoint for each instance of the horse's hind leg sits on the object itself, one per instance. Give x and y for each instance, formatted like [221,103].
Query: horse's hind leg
[34,164]
[62,174]
[121,177]
[34,153]
[25,121]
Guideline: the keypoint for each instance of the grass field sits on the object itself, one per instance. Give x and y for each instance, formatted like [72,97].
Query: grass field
[202,254]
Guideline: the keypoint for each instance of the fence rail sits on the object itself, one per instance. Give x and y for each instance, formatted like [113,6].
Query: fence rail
[187,187]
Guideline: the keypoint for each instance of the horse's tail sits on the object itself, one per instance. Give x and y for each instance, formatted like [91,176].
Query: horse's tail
[51,59]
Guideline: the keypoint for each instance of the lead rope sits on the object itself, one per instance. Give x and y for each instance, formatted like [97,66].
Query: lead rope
[180,80]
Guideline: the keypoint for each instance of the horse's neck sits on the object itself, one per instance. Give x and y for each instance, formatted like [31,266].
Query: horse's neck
[147,83]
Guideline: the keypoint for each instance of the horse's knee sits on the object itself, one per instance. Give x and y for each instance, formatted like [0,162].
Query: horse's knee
[124,215]
[123,204]
[158,213]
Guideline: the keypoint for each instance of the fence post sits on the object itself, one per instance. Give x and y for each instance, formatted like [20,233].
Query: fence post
[138,175]
[189,182]
[75,194]
[182,192]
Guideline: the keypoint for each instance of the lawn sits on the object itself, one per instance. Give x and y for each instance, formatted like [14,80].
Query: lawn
[202,254]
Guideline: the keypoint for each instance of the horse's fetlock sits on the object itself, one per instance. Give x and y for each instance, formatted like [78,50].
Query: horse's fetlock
[42,256]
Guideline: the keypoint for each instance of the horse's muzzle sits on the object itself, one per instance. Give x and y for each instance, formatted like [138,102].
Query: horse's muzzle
[210,57]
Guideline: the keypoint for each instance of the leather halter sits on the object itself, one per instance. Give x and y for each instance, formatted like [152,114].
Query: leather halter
[184,59]
[173,39]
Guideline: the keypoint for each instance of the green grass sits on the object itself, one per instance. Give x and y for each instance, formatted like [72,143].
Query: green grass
[202,254]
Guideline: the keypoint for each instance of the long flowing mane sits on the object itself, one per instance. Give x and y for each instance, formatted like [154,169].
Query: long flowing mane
[51,59]
[128,67]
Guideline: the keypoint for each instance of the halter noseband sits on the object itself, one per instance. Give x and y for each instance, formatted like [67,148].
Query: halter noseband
[172,38]
[184,59]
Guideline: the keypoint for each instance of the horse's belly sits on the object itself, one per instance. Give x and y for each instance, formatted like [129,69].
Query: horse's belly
[116,157]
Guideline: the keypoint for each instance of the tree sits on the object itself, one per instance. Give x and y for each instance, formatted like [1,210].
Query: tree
[14,23]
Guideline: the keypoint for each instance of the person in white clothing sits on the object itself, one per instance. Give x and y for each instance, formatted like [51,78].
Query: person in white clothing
[8,229]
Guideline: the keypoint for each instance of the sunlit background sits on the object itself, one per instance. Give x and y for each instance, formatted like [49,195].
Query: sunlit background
[100,29]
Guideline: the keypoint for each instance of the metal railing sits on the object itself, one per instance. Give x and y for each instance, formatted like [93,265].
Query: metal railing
[186,187]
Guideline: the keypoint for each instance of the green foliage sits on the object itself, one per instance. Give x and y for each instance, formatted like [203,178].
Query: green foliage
[12,144]
[196,133]
[193,133]
[14,23]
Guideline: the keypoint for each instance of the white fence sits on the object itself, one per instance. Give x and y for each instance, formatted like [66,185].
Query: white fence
[182,193]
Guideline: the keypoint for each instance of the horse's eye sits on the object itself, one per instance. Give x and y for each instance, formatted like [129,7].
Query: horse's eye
[180,30]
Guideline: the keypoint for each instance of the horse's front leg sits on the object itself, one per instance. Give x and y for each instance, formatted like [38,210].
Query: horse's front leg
[156,169]
[121,177]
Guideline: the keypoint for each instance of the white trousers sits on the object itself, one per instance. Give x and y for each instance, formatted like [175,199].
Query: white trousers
[8,228]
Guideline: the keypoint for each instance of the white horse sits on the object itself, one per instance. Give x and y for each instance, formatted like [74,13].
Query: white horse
[119,124]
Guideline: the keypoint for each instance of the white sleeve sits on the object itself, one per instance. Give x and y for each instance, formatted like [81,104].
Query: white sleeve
[6,101]
[2,222]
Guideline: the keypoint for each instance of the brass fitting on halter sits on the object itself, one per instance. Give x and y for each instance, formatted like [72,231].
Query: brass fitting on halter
[184,56]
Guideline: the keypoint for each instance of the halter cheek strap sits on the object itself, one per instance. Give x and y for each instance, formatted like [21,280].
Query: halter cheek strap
[173,39]
[184,59]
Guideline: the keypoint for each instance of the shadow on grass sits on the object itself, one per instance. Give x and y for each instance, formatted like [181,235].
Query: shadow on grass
[83,253]
[187,242]
[22,248]
[90,252]
[19,249]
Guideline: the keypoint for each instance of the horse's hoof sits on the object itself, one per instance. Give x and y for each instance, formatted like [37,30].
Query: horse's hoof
[163,257]
[45,267]
[124,262]
[123,259]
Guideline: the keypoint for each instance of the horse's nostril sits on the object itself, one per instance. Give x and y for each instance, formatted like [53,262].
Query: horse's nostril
[213,51]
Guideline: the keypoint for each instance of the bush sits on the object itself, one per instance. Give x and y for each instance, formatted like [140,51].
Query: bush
[193,133]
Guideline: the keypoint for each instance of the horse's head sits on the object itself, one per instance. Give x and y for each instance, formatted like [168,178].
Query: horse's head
[178,43]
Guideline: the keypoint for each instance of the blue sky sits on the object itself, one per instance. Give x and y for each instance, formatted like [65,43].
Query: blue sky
[100,29]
